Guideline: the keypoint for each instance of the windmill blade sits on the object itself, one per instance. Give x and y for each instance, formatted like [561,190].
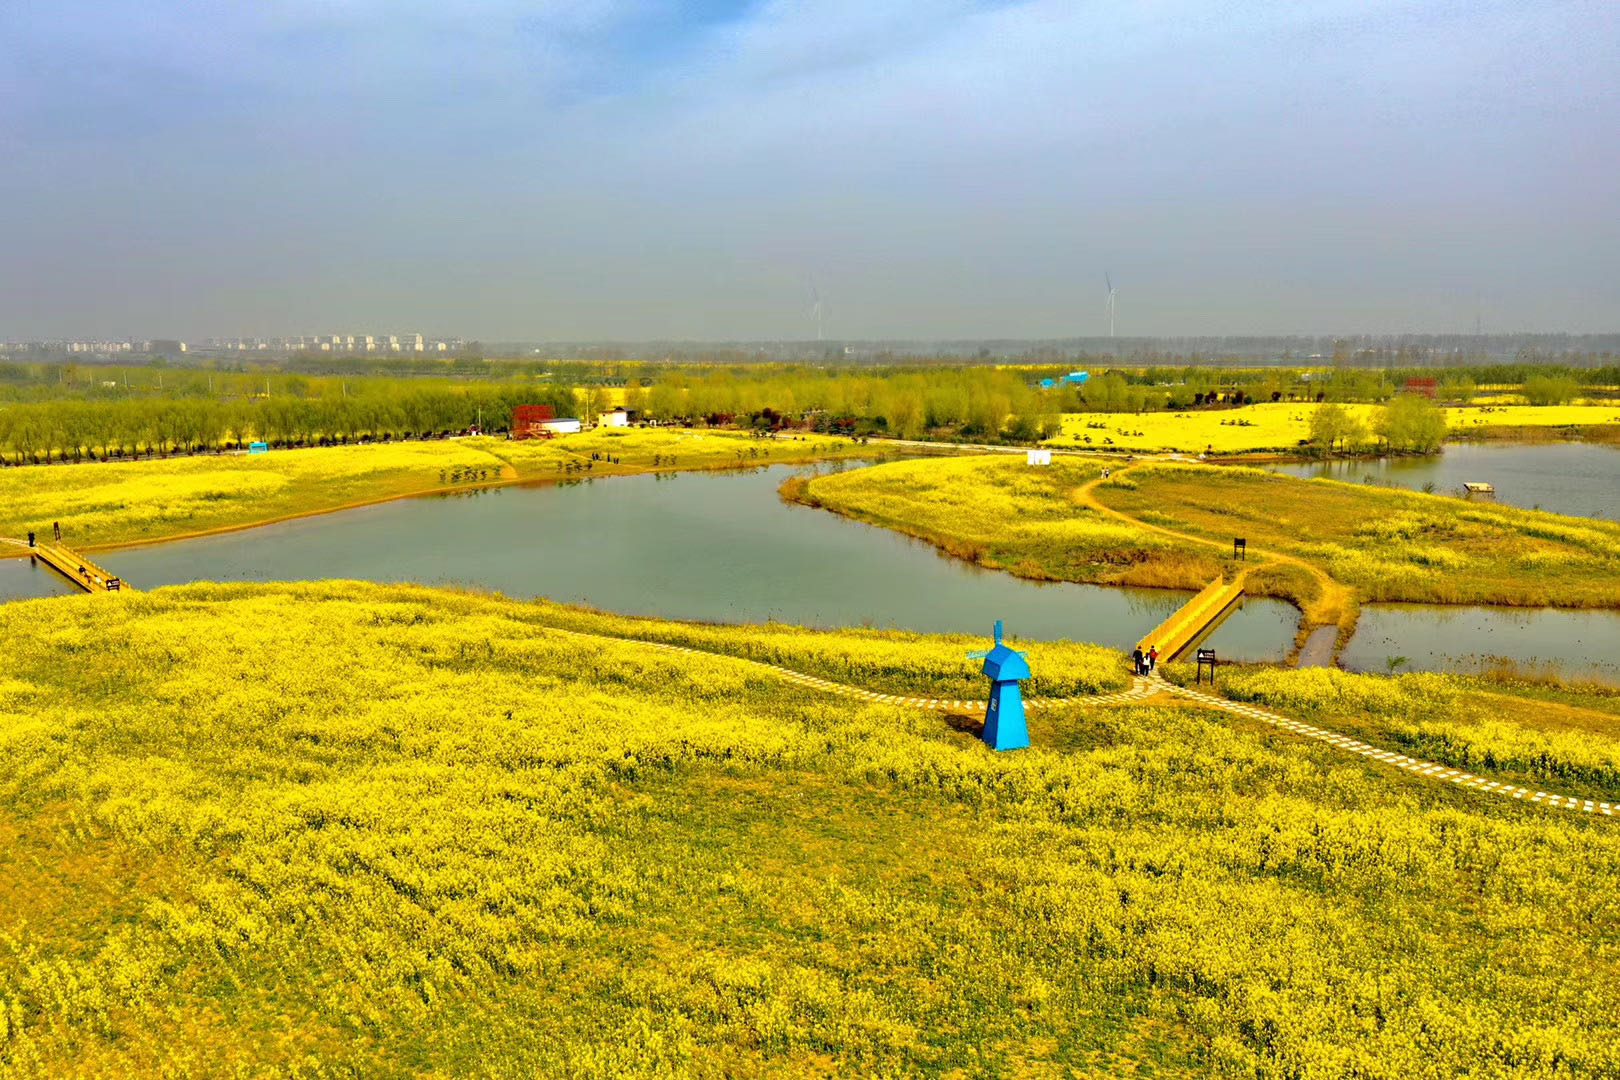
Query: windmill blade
[978,655]
[1108,282]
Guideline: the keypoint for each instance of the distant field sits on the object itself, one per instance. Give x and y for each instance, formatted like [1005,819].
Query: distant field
[1282,427]
[341,829]
[122,502]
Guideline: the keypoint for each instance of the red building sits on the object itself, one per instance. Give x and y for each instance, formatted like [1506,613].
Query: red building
[1425,386]
[528,421]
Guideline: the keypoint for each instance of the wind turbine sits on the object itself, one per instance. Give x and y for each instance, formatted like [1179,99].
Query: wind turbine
[1111,302]
[816,309]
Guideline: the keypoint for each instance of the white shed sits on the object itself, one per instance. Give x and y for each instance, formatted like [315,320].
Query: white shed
[562,425]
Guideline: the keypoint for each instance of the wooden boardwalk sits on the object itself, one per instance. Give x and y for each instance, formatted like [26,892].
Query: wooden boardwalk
[78,569]
[1192,618]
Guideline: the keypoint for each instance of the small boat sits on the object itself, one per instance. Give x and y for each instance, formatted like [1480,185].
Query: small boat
[1474,487]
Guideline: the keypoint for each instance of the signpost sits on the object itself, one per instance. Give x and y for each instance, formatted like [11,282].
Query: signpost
[1205,656]
[258,448]
[1240,548]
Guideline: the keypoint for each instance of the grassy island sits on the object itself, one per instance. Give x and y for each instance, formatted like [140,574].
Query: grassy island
[1329,544]
[345,829]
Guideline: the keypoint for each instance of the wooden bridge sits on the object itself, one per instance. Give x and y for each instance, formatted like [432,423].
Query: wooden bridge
[78,569]
[1193,618]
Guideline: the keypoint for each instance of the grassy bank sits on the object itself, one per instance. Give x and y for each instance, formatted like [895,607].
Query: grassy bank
[998,512]
[130,502]
[1352,543]
[344,829]
[1284,427]
[1387,543]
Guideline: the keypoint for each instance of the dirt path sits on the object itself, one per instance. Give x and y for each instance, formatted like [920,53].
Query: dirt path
[1335,604]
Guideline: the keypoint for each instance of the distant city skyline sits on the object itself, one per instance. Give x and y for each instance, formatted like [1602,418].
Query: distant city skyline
[729,170]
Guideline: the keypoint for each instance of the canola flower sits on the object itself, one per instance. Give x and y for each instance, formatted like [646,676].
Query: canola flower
[348,829]
[1283,427]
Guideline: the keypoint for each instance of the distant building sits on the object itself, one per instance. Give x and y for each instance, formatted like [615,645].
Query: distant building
[166,347]
[619,417]
[563,425]
[528,421]
[1424,385]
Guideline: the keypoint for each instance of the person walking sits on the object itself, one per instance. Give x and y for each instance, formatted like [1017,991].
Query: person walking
[1136,658]
[1153,659]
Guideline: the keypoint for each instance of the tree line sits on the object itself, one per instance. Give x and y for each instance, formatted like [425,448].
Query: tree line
[78,429]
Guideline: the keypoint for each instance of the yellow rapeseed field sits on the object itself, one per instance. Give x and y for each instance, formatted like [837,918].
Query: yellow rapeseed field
[1283,427]
[354,830]
[124,502]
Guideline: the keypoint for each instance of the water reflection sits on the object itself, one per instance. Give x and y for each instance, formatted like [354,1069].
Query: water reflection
[1419,637]
[1578,479]
[711,546]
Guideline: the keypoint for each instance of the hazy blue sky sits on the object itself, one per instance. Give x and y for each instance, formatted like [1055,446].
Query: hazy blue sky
[936,168]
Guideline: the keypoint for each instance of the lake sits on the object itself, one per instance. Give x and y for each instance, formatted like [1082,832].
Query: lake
[1579,479]
[707,546]
[1581,645]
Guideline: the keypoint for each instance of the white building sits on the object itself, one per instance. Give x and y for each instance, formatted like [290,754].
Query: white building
[1038,457]
[562,425]
[616,418]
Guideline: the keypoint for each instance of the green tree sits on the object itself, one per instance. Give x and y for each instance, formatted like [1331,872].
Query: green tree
[1333,427]
[1550,389]
[1412,422]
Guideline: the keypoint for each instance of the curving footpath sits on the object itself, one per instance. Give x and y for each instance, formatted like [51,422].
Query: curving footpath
[1142,688]
[1417,766]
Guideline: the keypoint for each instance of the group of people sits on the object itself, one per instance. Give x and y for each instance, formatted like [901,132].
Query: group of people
[1145,661]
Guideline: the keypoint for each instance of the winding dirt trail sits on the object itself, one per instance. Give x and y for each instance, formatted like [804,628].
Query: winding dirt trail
[1334,604]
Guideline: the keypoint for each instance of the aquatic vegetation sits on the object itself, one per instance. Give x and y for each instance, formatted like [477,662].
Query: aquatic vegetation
[353,829]
[123,502]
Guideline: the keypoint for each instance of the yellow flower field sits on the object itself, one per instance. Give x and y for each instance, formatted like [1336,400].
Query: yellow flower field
[1282,427]
[351,830]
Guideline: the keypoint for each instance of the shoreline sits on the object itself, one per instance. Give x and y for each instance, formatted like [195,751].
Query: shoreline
[609,472]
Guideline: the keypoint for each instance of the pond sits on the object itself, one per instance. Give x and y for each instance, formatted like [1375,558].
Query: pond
[708,546]
[1583,645]
[21,579]
[1578,479]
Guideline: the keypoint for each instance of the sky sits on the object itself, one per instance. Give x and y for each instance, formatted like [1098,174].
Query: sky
[927,169]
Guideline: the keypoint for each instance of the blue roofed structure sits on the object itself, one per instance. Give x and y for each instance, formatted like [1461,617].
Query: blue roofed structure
[1004,727]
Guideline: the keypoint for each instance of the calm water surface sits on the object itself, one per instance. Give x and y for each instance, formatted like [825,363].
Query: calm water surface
[1575,644]
[711,546]
[21,579]
[1580,479]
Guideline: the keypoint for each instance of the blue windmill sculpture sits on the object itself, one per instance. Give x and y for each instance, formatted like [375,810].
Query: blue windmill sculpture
[1004,727]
